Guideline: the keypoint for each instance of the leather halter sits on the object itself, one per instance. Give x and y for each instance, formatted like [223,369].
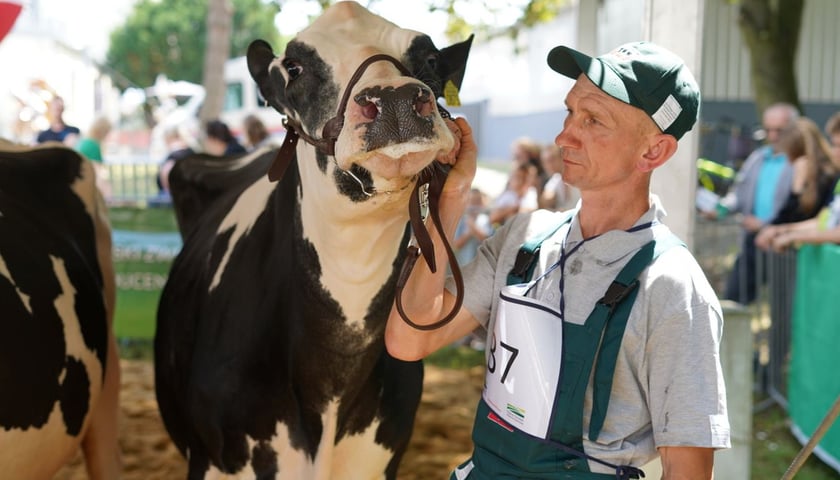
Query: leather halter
[429,185]
[331,130]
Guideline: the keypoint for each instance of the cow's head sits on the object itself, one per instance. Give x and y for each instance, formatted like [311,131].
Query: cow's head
[391,127]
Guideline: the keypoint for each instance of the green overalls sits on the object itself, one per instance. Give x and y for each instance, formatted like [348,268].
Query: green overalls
[504,452]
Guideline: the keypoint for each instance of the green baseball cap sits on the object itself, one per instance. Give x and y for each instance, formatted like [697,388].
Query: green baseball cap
[643,75]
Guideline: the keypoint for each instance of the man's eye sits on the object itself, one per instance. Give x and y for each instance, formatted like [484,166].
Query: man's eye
[293,68]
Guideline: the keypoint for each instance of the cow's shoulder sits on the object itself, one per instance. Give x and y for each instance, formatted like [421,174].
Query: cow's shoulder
[203,184]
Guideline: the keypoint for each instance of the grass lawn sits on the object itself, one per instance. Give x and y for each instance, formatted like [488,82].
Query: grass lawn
[774,448]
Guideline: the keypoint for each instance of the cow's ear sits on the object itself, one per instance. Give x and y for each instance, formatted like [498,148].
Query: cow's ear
[452,62]
[272,87]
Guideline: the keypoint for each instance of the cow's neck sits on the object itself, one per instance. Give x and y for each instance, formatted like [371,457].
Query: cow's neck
[356,242]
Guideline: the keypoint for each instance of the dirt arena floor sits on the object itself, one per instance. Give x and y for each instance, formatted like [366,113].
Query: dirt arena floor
[441,437]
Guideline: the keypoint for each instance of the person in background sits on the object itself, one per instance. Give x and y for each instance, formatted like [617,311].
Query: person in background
[58,131]
[814,173]
[91,147]
[220,141]
[178,149]
[256,135]
[91,144]
[555,195]
[825,226]
[526,151]
[520,196]
[832,129]
[473,227]
[761,189]
[577,387]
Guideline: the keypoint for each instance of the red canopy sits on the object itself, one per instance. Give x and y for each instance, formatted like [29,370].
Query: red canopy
[9,11]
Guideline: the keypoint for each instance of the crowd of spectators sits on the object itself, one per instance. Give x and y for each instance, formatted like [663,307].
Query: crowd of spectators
[786,193]
[821,160]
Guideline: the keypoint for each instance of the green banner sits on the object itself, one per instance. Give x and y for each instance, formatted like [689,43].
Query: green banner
[141,261]
[813,382]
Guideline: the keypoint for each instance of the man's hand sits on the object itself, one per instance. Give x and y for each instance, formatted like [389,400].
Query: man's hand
[462,158]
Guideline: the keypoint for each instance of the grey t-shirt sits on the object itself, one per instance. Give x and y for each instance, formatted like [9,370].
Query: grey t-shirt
[668,386]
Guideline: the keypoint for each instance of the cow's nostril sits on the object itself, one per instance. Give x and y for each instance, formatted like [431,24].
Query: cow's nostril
[423,102]
[369,108]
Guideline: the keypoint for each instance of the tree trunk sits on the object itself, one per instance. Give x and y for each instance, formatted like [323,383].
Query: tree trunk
[771,32]
[219,21]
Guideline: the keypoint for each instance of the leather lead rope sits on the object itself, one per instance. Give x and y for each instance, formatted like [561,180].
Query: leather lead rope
[434,176]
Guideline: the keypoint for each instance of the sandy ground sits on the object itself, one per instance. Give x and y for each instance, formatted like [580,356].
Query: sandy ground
[441,437]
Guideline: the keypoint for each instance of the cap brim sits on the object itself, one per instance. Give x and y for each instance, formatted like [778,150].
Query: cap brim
[571,63]
[568,62]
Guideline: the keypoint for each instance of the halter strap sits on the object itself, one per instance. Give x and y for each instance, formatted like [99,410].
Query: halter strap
[331,130]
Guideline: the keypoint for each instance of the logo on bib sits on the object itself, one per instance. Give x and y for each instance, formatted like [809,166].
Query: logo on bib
[515,413]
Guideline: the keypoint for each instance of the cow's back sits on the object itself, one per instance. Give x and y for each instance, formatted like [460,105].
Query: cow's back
[56,299]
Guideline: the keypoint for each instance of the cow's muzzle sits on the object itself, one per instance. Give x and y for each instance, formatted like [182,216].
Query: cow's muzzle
[420,102]
[397,114]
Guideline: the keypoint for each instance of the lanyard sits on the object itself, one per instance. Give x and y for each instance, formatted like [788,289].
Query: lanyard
[564,256]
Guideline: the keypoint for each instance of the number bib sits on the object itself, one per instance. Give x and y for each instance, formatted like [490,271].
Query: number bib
[523,361]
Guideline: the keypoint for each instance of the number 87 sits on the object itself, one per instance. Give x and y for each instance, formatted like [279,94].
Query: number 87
[491,362]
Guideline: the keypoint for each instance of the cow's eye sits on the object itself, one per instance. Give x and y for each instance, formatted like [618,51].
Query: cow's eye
[432,62]
[293,68]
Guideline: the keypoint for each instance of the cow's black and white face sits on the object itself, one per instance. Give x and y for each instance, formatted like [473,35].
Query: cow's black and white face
[392,126]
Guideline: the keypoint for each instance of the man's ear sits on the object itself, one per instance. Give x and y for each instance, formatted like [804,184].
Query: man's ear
[660,148]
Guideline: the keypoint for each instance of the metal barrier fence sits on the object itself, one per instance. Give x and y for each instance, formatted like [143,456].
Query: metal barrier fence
[716,245]
[775,307]
[132,184]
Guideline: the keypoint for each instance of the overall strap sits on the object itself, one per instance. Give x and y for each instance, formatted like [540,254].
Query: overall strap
[526,258]
[614,309]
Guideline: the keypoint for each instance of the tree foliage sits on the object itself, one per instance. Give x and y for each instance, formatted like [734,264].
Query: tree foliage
[770,29]
[530,14]
[170,37]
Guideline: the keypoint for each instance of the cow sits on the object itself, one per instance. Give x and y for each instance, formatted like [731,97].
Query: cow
[59,367]
[269,347]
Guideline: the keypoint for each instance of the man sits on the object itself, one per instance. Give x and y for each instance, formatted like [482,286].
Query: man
[58,131]
[761,189]
[664,393]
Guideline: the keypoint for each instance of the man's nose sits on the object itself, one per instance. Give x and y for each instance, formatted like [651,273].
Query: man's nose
[566,138]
